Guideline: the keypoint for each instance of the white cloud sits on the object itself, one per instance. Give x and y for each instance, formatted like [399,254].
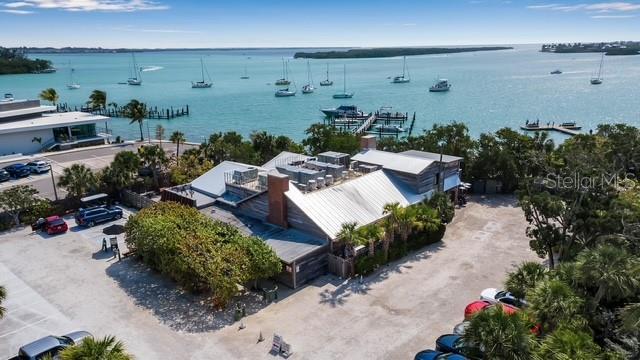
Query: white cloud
[595,8]
[613,16]
[91,5]
[17,12]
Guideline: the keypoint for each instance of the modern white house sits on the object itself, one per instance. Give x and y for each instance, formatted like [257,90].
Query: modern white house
[27,127]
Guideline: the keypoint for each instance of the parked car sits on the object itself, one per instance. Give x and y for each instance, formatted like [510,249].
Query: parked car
[494,295]
[18,170]
[51,345]
[437,355]
[475,307]
[452,343]
[39,167]
[460,328]
[4,175]
[52,225]
[92,216]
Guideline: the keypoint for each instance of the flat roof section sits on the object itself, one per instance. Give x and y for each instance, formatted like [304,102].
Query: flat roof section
[289,244]
[49,121]
[393,161]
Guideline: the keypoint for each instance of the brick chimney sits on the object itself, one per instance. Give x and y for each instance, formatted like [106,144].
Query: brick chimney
[278,184]
[368,142]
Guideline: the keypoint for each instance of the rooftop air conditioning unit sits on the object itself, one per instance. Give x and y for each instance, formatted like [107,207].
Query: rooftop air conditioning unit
[312,185]
[320,182]
[328,180]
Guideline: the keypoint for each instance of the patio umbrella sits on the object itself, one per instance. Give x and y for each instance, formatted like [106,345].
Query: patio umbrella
[113,230]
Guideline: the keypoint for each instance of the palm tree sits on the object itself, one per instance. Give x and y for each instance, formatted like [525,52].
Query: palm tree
[98,99]
[525,277]
[121,172]
[107,348]
[160,133]
[614,272]
[630,316]
[567,343]
[154,157]
[49,95]
[136,111]
[372,233]
[351,237]
[428,217]
[406,220]
[177,137]
[552,302]
[390,226]
[3,296]
[500,335]
[78,180]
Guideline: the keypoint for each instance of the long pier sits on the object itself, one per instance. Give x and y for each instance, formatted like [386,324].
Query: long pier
[559,128]
[381,123]
[153,112]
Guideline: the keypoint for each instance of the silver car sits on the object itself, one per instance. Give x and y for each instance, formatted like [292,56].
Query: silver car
[51,345]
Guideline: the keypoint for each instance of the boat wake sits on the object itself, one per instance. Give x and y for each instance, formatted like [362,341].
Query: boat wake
[151,68]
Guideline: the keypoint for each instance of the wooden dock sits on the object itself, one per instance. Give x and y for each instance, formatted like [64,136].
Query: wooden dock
[153,112]
[366,125]
[565,130]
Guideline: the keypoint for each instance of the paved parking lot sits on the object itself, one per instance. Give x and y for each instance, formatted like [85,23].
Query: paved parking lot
[63,283]
[95,158]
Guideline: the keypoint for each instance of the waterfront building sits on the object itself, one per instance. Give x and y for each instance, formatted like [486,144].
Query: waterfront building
[27,127]
[298,203]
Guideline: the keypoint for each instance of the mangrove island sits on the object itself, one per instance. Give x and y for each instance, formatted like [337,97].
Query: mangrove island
[391,52]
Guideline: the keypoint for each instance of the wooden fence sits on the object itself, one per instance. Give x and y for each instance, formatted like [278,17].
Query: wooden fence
[344,268]
[136,200]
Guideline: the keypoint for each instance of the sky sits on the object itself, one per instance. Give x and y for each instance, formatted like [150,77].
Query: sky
[312,23]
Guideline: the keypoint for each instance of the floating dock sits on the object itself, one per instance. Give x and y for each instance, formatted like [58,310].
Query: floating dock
[569,130]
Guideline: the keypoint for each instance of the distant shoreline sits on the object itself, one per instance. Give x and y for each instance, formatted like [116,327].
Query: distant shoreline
[392,52]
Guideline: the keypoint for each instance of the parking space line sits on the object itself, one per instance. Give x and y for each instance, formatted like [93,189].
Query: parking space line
[24,327]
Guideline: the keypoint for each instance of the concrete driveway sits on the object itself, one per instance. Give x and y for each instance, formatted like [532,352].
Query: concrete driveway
[64,283]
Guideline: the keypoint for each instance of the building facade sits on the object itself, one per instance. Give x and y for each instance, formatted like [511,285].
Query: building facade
[27,127]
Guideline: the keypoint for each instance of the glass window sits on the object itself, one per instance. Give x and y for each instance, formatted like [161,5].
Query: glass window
[61,134]
[83,131]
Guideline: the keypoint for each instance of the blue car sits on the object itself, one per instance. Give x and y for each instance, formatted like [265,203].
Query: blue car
[93,216]
[18,170]
[437,355]
[451,343]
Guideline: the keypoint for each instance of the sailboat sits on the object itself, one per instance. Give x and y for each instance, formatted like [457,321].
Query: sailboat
[326,82]
[72,85]
[285,74]
[308,88]
[245,76]
[202,84]
[135,78]
[598,79]
[404,78]
[344,94]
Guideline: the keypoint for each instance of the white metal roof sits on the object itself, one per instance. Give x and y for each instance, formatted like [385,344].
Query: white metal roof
[49,121]
[283,158]
[431,156]
[212,182]
[393,161]
[360,200]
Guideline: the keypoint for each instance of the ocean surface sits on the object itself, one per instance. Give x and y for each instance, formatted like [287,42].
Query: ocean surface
[490,90]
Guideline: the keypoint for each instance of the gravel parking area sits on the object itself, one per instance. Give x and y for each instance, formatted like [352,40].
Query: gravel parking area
[62,283]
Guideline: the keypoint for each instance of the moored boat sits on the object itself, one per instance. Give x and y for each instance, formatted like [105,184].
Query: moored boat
[344,94]
[285,92]
[343,111]
[441,85]
[202,84]
[326,82]
[404,78]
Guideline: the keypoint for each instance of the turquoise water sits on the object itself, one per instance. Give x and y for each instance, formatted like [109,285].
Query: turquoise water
[490,89]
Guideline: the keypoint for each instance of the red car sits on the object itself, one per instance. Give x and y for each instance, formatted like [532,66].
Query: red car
[480,305]
[52,225]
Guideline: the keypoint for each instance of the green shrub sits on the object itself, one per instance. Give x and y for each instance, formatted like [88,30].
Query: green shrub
[197,252]
[421,239]
[40,209]
[367,264]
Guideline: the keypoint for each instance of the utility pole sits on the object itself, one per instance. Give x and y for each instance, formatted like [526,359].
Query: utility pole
[53,182]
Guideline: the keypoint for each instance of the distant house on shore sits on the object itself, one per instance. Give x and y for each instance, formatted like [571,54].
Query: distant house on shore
[27,127]
[298,203]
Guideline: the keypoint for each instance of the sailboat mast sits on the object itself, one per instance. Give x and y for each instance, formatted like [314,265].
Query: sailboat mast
[600,69]
[344,81]
[202,69]
[327,71]
[404,66]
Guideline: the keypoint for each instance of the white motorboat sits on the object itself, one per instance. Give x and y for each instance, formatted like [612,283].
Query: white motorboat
[441,85]
[285,92]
